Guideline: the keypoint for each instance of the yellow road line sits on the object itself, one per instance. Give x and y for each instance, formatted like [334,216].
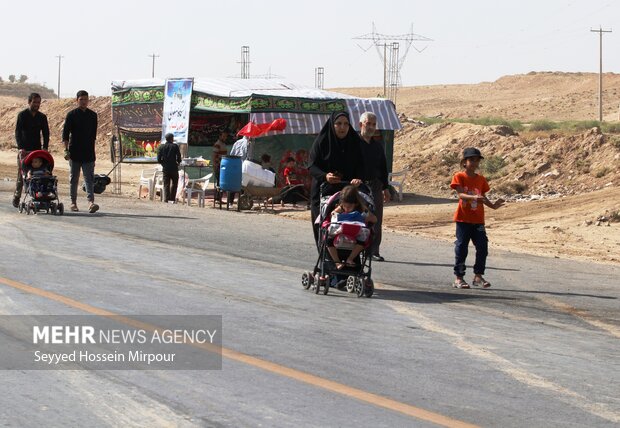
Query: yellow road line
[298,375]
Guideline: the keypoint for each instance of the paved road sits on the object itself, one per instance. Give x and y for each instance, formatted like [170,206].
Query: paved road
[540,348]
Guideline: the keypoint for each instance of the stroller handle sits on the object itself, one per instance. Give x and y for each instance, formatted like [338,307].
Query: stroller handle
[331,188]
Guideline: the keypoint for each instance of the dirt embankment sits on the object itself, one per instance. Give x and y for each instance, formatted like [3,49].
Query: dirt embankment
[56,111]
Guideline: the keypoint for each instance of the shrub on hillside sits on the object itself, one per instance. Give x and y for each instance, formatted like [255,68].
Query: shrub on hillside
[493,165]
[450,158]
[543,125]
[613,128]
[511,188]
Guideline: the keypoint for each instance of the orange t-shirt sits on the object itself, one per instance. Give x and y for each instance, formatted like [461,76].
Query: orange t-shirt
[470,211]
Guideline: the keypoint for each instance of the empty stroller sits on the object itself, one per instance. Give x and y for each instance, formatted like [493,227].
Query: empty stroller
[342,233]
[41,186]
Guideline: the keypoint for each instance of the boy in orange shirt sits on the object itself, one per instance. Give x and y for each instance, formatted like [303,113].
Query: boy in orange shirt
[469,217]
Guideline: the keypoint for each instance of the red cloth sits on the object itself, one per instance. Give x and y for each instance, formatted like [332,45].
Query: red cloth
[289,173]
[257,129]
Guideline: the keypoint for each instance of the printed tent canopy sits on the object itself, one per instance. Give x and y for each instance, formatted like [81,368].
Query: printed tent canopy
[137,104]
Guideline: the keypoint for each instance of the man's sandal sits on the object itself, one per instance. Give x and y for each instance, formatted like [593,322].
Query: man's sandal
[481,283]
[460,283]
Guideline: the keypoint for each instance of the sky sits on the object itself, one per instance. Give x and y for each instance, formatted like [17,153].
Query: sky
[472,41]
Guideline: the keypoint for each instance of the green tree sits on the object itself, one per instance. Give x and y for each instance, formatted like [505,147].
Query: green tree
[23,78]
[12,78]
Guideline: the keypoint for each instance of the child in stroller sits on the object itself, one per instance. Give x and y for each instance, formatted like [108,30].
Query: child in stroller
[345,233]
[41,186]
[350,219]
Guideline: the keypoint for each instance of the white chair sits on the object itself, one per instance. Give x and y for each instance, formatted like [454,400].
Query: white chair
[147,179]
[197,187]
[158,185]
[396,180]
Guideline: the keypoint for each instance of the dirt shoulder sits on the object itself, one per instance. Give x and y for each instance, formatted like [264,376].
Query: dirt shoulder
[564,227]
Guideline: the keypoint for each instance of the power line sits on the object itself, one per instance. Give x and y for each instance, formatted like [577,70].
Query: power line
[600,32]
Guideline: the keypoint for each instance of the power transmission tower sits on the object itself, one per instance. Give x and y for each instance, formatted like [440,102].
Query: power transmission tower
[600,32]
[153,67]
[319,77]
[60,57]
[269,75]
[245,62]
[389,50]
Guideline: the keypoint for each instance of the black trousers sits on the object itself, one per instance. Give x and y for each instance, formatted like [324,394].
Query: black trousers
[377,195]
[171,182]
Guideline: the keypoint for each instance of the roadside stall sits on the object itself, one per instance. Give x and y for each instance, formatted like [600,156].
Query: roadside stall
[217,104]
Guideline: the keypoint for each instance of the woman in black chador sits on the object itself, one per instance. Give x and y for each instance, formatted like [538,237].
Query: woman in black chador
[335,157]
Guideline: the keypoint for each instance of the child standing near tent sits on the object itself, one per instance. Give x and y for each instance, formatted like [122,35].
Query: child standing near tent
[219,150]
[471,189]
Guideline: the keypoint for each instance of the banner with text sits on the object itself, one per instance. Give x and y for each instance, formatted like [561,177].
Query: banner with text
[177,103]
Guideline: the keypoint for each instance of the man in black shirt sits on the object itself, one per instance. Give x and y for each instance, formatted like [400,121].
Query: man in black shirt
[375,174]
[78,136]
[31,124]
[169,157]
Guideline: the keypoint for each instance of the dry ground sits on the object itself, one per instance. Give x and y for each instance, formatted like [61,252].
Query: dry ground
[551,227]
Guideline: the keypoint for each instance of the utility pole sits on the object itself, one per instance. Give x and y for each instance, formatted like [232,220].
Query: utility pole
[60,57]
[600,32]
[153,68]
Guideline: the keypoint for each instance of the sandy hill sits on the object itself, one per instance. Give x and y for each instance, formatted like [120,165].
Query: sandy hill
[56,110]
[526,97]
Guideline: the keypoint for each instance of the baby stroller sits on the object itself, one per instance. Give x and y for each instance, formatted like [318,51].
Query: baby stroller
[345,235]
[41,189]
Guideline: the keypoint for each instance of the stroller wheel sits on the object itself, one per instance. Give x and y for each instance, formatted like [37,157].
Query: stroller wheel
[21,207]
[61,209]
[359,286]
[28,209]
[53,208]
[326,286]
[307,279]
[369,288]
[351,284]
[321,282]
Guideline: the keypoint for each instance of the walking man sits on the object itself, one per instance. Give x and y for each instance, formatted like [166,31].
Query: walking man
[31,124]
[78,136]
[375,174]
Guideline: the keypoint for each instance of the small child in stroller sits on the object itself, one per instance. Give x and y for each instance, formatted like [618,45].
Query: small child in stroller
[351,209]
[41,186]
[38,167]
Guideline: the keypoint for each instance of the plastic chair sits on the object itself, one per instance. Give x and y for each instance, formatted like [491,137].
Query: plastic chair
[197,187]
[158,185]
[398,184]
[147,179]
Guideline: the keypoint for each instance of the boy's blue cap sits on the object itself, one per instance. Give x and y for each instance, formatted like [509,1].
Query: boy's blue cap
[472,152]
